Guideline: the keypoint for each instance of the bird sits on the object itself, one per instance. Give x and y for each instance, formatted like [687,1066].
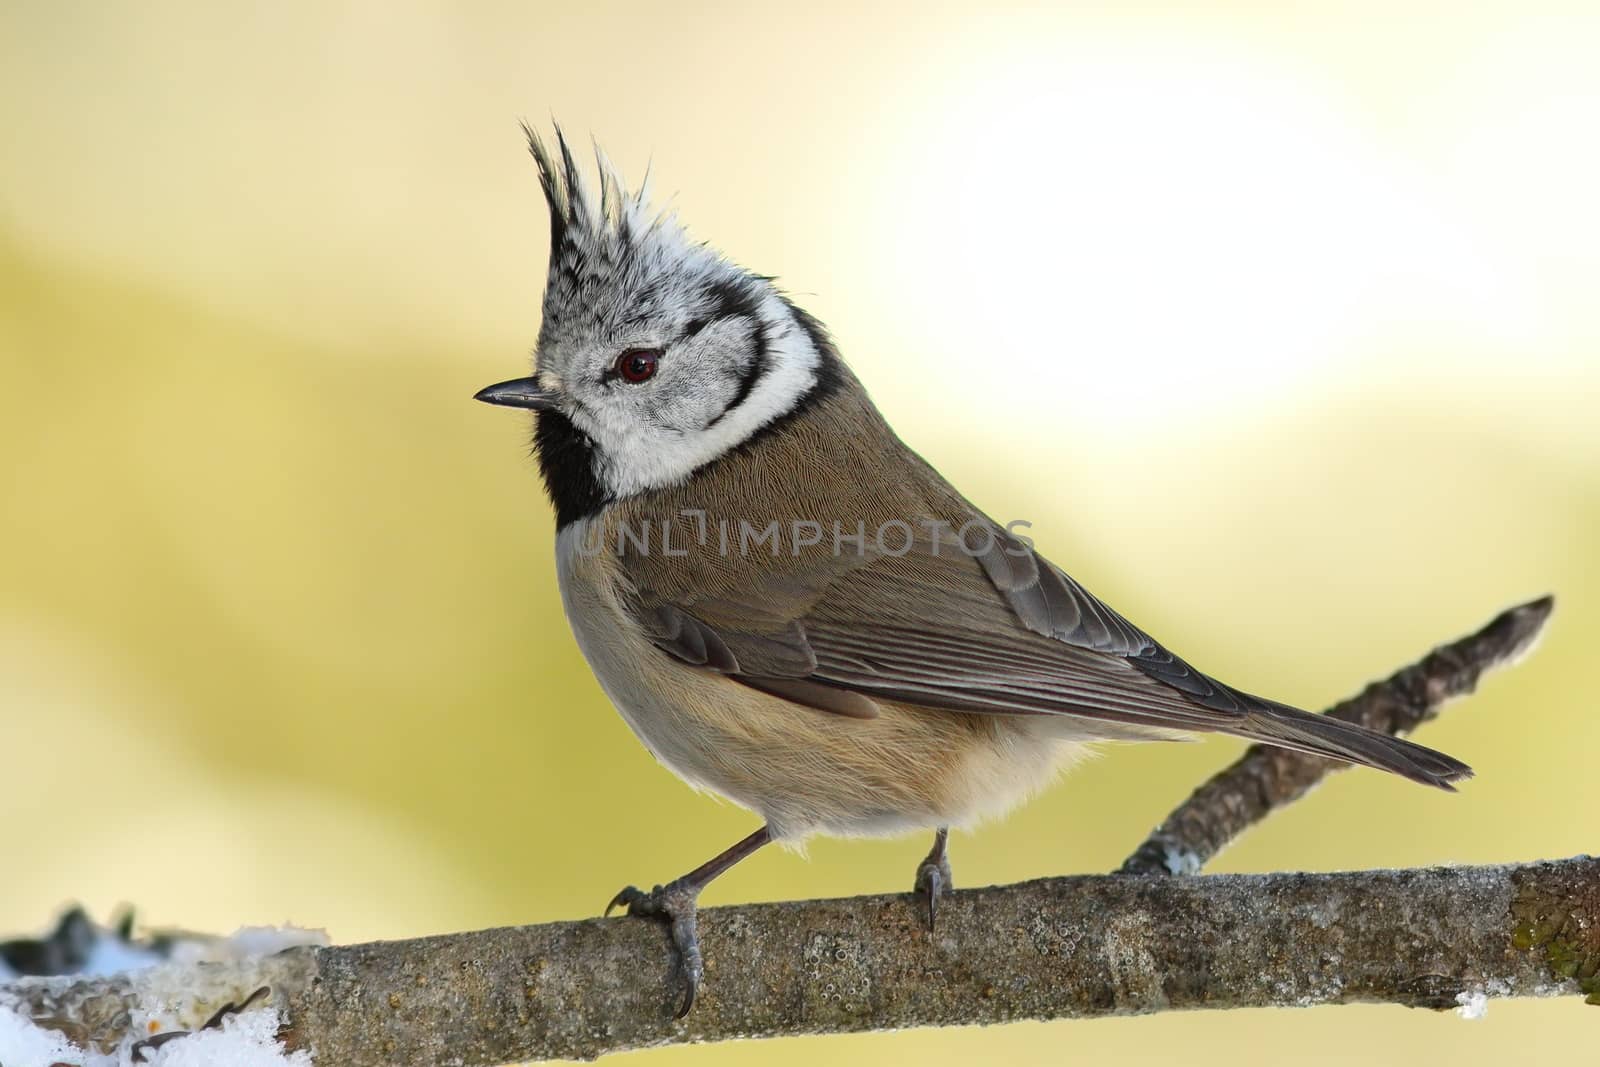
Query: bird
[787,604]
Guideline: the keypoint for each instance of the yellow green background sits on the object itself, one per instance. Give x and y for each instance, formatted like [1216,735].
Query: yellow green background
[1278,322]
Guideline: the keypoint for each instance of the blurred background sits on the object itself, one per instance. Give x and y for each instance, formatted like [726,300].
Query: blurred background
[1278,322]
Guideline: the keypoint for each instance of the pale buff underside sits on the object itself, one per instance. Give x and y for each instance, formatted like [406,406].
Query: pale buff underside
[801,769]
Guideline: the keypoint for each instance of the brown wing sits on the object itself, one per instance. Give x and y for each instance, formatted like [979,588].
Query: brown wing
[999,630]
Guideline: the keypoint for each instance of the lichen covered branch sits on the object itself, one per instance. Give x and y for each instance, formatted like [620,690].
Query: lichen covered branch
[1055,948]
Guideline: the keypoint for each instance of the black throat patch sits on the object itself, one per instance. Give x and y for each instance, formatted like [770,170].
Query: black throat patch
[566,461]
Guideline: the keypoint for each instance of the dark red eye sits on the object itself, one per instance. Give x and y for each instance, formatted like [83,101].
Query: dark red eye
[637,364]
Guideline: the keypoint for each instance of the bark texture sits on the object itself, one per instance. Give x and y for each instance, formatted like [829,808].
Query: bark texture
[1054,948]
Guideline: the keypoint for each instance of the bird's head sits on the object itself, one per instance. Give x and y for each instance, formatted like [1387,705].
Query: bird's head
[656,355]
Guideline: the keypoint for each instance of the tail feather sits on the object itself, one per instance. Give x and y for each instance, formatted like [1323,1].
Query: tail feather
[1319,735]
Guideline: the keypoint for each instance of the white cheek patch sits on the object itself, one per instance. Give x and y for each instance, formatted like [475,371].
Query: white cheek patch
[639,455]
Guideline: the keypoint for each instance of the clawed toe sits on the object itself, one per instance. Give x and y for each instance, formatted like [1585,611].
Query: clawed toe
[629,897]
[674,904]
[933,880]
[933,876]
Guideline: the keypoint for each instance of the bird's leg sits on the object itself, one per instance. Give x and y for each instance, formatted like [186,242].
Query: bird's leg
[933,874]
[675,904]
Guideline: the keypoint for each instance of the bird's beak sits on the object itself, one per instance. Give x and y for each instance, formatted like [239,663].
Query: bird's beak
[518,393]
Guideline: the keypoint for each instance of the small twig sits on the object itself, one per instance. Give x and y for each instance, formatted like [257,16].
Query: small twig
[1265,779]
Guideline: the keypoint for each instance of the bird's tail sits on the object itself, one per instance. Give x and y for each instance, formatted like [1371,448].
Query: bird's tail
[1321,735]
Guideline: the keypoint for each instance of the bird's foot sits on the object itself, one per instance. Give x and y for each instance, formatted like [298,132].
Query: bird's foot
[674,904]
[933,879]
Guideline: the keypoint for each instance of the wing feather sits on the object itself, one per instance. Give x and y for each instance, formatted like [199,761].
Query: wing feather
[999,633]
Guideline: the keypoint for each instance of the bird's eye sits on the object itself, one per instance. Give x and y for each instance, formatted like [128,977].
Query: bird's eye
[637,364]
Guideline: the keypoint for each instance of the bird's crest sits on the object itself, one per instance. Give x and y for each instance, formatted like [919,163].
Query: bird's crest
[576,219]
[602,248]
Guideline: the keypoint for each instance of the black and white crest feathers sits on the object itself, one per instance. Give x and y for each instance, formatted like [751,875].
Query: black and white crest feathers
[614,256]
[577,226]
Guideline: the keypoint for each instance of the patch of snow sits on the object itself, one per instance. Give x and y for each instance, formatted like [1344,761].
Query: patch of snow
[167,996]
[1472,1004]
[23,1044]
[112,955]
[104,952]
[245,1040]
[247,942]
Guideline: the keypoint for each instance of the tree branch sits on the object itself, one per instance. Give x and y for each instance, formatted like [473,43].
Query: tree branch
[1265,779]
[1061,947]
[1054,948]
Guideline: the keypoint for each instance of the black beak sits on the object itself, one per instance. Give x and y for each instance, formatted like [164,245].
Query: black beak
[518,393]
